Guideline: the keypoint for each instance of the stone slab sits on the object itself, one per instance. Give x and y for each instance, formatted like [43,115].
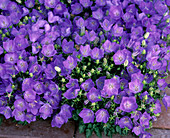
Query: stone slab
[168,89]
[164,119]
[38,129]
[160,133]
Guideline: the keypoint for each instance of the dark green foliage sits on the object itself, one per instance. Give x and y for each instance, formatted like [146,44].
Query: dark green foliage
[82,128]
[88,132]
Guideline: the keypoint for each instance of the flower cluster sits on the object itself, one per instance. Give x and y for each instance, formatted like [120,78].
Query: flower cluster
[102,63]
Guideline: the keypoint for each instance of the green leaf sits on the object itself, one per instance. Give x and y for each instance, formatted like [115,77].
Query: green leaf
[105,131]
[88,132]
[78,111]
[98,132]
[110,134]
[75,117]
[118,129]
[94,126]
[25,123]
[14,121]
[82,128]
[108,125]
[125,132]
[113,130]
[90,126]
[20,122]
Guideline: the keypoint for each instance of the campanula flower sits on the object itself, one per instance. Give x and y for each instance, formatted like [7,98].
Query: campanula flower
[70,63]
[102,115]
[128,104]
[93,95]
[87,115]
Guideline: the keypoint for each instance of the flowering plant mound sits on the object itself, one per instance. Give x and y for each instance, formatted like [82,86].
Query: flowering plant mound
[102,63]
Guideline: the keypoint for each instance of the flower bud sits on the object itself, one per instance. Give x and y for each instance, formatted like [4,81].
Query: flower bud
[144,52]
[142,106]
[112,97]
[111,59]
[151,93]
[107,13]
[7,33]
[139,109]
[26,18]
[86,102]
[100,33]
[81,80]
[92,70]
[158,114]
[108,74]
[98,72]
[63,88]
[145,97]
[144,82]
[84,75]
[157,91]
[13,86]
[148,15]
[126,63]
[141,66]
[78,71]
[166,13]
[20,57]
[151,88]
[154,75]
[109,68]
[55,46]
[79,56]
[105,60]
[111,65]
[20,23]
[143,43]
[80,92]
[151,109]
[31,75]
[97,61]
[89,74]
[63,80]
[3,35]
[19,1]
[69,1]
[58,69]
[106,67]
[146,35]
[93,104]
[84,68]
